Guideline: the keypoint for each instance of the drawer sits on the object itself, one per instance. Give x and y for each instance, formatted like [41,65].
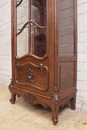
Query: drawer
[31,75]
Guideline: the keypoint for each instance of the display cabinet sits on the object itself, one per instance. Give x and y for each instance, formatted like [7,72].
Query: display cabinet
[44,52]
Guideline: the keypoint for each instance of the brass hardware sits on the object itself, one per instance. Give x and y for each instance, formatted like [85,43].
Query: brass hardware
[41,67]
[30,76]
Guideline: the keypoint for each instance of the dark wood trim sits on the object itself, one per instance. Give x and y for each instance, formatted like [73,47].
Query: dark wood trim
[30,21]
[12,37]
[19,3]
[75,40]
[33,56]
[56,46]
[29,29]
[67,59]
[51,30]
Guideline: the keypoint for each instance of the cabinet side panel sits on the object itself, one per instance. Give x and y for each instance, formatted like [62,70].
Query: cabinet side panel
[66,42]
[66,71]
[66,27]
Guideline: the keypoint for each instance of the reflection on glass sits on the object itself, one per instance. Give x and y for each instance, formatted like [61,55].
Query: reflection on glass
[38,41]
[38,35]
[38,11]
[22,43]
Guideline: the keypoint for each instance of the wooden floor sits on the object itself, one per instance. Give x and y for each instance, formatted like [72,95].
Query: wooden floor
[23,116]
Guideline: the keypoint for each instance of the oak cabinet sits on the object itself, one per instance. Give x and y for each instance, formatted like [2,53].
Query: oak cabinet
[44,52]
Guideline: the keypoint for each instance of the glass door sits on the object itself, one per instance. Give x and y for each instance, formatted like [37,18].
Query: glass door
[33,37]
[31,27]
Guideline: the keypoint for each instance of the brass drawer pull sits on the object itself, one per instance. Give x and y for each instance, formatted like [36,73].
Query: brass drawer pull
[41,67]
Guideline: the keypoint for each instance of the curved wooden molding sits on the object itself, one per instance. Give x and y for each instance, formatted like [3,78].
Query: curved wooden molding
[33,100]
[19,3]
[30,63]
[33,22]
[32,85]
[31,55]
[34,93]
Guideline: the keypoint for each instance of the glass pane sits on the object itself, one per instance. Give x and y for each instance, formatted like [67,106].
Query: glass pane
[22,14]
[22,38]
[22,43]
[38,35]
[38,41]
[38,11]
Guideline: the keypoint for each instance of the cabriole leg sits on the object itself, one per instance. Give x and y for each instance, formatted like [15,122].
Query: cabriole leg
[73,103]
[13,98]
[13,95]
[55,112]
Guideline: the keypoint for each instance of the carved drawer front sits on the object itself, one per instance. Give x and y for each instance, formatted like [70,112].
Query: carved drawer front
[31,75]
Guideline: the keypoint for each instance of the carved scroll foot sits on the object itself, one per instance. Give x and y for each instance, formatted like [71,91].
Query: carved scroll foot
[73,103]
[55,109]
[13,98]
[13,95]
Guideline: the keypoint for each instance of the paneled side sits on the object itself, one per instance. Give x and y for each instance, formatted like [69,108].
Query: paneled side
[66,27]
[66,42]
[66,73]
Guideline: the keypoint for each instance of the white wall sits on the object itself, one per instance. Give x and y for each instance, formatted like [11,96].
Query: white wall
[5,49]
[82,55]
[5,42]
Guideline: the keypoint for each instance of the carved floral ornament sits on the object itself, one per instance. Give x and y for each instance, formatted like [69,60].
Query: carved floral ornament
[30,98]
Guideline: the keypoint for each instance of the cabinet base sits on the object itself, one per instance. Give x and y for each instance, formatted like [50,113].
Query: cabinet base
[51,103]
